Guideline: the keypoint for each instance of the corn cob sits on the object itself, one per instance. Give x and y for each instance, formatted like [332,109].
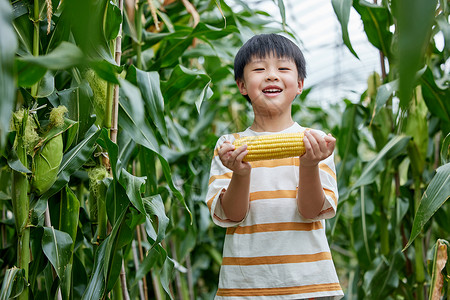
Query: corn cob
[272,146]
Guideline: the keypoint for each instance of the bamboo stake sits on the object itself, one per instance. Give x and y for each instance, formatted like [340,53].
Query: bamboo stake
[114,130]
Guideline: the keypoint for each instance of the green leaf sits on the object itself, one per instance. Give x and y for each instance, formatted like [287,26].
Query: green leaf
[141,132]
[384,278]
[65,56]
[394,147]
[155,206]
[88,16]
[46,85]
[8,46]
[435,97]
[132,184]
[69,212]
[182,79]
[384,92]
[347,144]
[113,253]
[112,21]
[96,286]
[57,247]
[415,19]
[282,9]
[376,20]
[13,283]
[445,150]
[437,192]
[73,160]
[342,11]
[149,85]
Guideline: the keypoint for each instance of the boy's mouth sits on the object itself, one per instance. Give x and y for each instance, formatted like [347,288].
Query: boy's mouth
[272,90]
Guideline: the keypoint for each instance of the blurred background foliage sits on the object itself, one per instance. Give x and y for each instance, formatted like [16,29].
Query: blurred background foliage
[106,198]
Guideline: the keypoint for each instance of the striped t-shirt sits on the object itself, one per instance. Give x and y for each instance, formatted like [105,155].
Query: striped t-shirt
[274,253]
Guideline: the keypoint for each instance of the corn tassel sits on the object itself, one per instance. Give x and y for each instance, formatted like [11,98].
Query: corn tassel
[272,146]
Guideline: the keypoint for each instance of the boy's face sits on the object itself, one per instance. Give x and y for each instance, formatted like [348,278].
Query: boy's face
[271,83]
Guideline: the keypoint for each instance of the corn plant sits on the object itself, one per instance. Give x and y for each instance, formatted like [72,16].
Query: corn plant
[393,145]
[107,123]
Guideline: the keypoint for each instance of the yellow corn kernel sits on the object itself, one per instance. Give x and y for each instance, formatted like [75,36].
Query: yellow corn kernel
[272,146]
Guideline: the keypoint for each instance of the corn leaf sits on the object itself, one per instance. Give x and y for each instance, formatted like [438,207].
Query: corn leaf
[57,246]
[32,68]
[13,283]
[415,19]
[181,79]
[348,141]
[376,20]
[120,236]
[393,148]
[445,150]
[96,285]
[149,85]
[439,262]
[435,96]
[8,46]
[437,192]
[154,206]
[384,278]
[88,16]
[132,185]
[342,11]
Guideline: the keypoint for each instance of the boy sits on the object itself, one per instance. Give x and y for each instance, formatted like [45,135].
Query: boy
[274,210]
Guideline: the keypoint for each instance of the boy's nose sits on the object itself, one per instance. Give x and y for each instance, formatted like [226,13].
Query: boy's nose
[272,76]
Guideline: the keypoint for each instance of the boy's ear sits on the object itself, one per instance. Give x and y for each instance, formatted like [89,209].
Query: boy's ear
[300,87]
[242,88]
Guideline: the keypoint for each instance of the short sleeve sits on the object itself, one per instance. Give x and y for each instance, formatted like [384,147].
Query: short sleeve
[219,179]
[327,173]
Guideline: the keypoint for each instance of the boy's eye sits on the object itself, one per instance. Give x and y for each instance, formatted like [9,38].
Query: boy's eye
[284,69]
[259,69]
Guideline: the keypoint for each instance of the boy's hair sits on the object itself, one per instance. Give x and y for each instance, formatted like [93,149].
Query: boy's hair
[263,45]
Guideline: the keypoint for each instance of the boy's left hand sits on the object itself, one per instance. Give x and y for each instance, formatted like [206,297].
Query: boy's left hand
[317,148]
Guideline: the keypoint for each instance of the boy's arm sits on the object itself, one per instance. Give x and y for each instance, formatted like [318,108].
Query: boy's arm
[235,200]
[311,197]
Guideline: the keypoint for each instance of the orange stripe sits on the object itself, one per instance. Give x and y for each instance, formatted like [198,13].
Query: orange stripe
[223,176]
[272,163]
[273,194]
[210,201]
[327,169]
[286,226]
[272,260]
[331,194]
[313,288]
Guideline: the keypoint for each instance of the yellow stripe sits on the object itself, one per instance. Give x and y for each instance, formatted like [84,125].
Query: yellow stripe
[327,169]
[292,290]
[286,226]
[273,194]
[275,260]
[223,176]
[331,194]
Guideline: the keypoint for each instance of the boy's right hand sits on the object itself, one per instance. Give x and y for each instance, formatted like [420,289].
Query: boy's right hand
[232,158]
